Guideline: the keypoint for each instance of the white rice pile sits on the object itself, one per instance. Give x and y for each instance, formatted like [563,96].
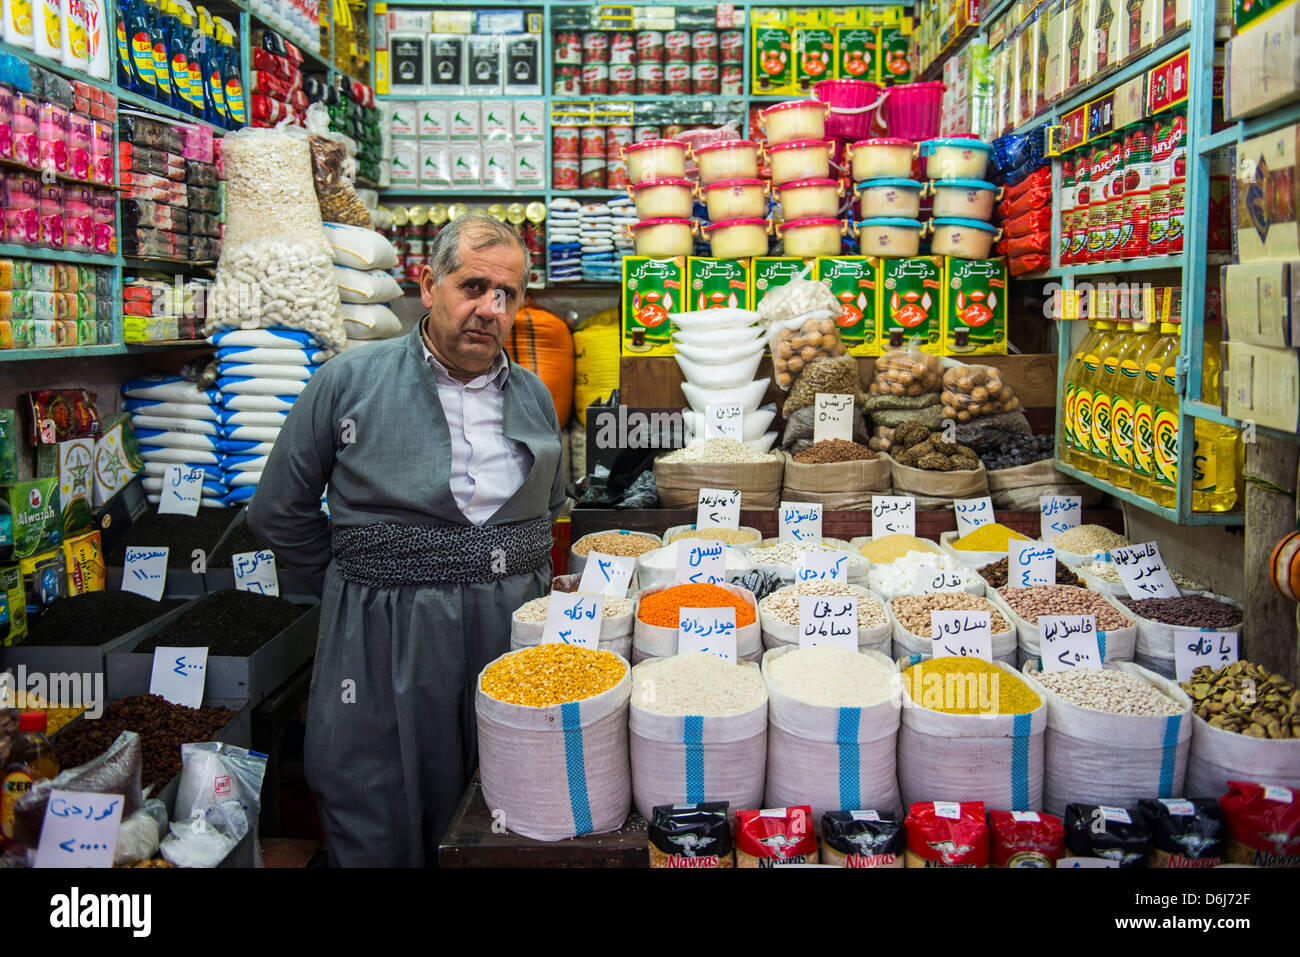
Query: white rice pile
[830,676]
[695,683]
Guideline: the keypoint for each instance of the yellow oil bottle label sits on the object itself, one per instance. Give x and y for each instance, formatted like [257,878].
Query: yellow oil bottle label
[1205,467]
[15,784]
[1121,431]
[1144,437]
[1165,436]
[1152,371]
[1101,424]
[1067,422]
[1083,420]
[21,13]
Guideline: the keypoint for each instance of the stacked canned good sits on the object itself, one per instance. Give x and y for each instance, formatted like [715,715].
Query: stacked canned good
[589,157]
[649,62]
[414,227]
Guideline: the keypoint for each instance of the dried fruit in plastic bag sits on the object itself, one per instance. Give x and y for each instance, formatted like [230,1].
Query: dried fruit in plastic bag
[836,375]
[970,391]
[797,342]
[116,771]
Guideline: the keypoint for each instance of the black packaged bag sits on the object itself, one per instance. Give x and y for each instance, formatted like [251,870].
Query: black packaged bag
[1185,832]
[690,835]
[1111,832]
[862,839]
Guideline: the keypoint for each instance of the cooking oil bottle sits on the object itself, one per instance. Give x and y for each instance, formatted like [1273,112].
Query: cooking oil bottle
[1085,421]
[1069,448]
[1158,412]
[1218,459]
[1102,395]
[1141,340]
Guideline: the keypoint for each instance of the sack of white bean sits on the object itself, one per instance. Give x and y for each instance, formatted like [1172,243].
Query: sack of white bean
[832,730]
[778,615]
[528,623]
[1114,736]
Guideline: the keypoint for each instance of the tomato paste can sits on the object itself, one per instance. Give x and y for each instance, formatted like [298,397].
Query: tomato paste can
[1137,188]
[568,47]
[616,137]
[565,141]
[649,46]
[592,173]
[595,78]
[649,78]
[568,80]
[677,78]
[677,45]
[591,142]
[622,78]
[641,134]
[564,174]
[704,46]
[731,46]
[622,47]
[616,174]
[595,47]
[704,77]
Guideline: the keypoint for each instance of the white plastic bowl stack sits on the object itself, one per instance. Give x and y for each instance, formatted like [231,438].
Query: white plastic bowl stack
[718,351]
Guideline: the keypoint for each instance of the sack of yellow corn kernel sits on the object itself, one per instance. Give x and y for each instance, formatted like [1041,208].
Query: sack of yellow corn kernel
[1097,756]
[971,728]
[552,741]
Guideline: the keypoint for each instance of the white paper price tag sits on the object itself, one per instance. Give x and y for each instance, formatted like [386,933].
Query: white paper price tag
[972,513]
[832,566]
[828,620]
[801,522]
[833,417]
[962,634]
[607,574]
[79,830]
[724,422]
[710,631]
[892,515]
[1083,863]
[1195,648]
[927,579]
[573,618]
[182,488]
[255,571]
[1030,563]
[701,561]
[1057,514]
[718,508]
[1069,642]
[144,571]
[178,675]
[1143,571]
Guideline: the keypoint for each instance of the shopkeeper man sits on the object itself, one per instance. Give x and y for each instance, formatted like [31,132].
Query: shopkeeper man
[442,459]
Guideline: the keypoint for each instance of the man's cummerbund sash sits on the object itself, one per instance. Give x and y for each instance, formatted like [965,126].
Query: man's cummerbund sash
[387,554]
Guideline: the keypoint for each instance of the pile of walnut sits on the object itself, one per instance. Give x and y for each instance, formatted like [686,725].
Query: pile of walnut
[970,391]
[918,447]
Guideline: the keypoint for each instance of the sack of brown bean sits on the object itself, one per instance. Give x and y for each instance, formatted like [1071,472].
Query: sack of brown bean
[1159,619]
[800,430]
[1114,735]
[839,485]
[617,541]
[1116,631]
[937,489]
[909,619]
[1021,486]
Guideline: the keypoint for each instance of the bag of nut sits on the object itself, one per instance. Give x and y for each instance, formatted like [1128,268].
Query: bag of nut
[970,391]
[906,372]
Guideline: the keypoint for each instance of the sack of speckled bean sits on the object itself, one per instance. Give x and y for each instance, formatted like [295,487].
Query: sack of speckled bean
[973,729]
[654,635]
[1114,736]
[538,707]
[617,542]
[1116,630]
[910,620]
[1158,619]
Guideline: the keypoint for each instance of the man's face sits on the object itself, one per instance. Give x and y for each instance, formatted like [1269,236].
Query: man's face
[472,309]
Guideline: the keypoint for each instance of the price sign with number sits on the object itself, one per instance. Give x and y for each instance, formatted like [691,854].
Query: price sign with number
[832,566]
[928,579]
[1195,648]
[1143,571]
[724,422]
[1058,514]
[972,513]
[701,561]
[801,522]
[1069,642]
[182,487]
[961,633]
[892,515]
[607,574]
[1030,563]
[573,618]
[828,620]
[79,830]
[179,674]
[255,572]
[144,571]
[718,508]
[833,417]
[710,631]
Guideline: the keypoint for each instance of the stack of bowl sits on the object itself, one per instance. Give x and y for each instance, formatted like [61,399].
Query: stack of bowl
[963,199]
[800,155]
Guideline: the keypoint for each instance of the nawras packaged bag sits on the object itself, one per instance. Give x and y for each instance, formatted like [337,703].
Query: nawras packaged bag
[690,835]
[1093,830]
[1185,832]
[862,839]
[1263,824]
[947,834]
[775,837]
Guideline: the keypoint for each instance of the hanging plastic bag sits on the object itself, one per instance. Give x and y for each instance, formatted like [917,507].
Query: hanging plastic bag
[906,372]
[339,202]
[215,769]
[970,391]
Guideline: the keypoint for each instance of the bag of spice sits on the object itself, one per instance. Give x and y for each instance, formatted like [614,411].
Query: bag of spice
[1026,839]
[1185,832]
[775,837]
[690,835]
[947,834]
[1095,830]
[1263,824]
[862,839]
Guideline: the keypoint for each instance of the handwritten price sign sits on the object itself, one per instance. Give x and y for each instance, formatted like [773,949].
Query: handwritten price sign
[1069,642]
[832,566]
[724,422]
[801,522]
[828,621]
[255,572]
[1195,648]
[179,675]
[1030,563]
[144,571]
[701,561]
[928,579]
[79,830]
[607,574]
[710,631]
[573,618]
[1057,514]
[965,634]
[892,515]
[1143,571]
[718,508]
[833,417]
[182,488]
[972,513]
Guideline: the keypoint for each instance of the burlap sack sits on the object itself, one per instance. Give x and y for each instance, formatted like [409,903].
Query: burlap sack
[937,489]
[1021,487]
[759,483]
[839,486]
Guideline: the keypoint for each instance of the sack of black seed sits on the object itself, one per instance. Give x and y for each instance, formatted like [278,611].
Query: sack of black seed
[1093,830]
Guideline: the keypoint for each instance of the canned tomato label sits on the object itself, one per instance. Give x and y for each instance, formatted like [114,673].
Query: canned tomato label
[565,141]
[677,45]
[622,47]
[615,137]
[642,134]
[568,80]
[568,47]
[595,78]
[565,175]
[731,79]
[595,47]
[704,77]
[649,78]
[1137,188]
[622,78]
[1067,208]
[650,46]
[592,173]
[677,78]
[704,45]
[591,141]
[1163,145]
[1177,188]
[1115,197]
[731,46]
[616,174]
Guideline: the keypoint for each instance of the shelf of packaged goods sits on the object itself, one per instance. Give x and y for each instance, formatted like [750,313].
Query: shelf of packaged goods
[1170,46]
[146,263]
[1147,264]
[150,105]
[433,192]
[412,97]
[86,352]
[54,66]
[318,61]
[1212,413]
[61,177]
[62,255]
[561,193]
[1169,514]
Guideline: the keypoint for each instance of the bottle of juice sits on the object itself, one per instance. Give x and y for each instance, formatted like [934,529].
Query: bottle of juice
[1123,406]
[1084,412]
[1158,412]
[1102,393]
[1068,449]
[1218,457]
[31,759]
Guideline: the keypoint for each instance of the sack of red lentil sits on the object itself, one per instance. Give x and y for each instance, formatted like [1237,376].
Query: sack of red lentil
[947,834]
[775,837]
[558,770]
[862,839]
[993,752]
[829,757]
[1095,754]
[1025,839]
[1263,824]
[654,634]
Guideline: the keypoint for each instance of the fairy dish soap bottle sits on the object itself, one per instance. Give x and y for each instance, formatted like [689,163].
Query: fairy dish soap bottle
[31,759]
[234,83]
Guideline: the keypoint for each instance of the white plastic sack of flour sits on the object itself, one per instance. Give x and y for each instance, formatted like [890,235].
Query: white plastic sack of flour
[265,339]
[181,410]
[265,370]
[178,456]
[370,322]
[251,433]
[169,389]
[359,248]
[242,463]
[177,440]
[299,357]
[167,423]
[366,285]
[257,403]
[276,387]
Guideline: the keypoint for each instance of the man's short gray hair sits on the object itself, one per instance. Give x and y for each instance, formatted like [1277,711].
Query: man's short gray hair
[482,232]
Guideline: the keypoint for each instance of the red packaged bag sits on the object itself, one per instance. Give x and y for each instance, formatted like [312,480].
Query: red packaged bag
[56,415]
[268,61]
[1263,824]
[270,85]
[1020,265]
[1034,221]
[266,110]
[1035,180]
[1028,245]
[947,834]
[1030,199]
[775,837]
[1026,839]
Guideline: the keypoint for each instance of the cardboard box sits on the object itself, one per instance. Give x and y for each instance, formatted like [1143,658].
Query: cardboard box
[974,307]
[1106,20]
[34,514]
[717,283]
[1267,192]
[855,282]
[1264,65]
[652,291]
[772,272]
[1261,303]
[911,296]
[1262,385]
[72,464]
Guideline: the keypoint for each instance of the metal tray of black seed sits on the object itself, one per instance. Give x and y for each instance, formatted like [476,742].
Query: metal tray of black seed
[232,682]
[191,540]
[180,584]
[237,539]
[80,659]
